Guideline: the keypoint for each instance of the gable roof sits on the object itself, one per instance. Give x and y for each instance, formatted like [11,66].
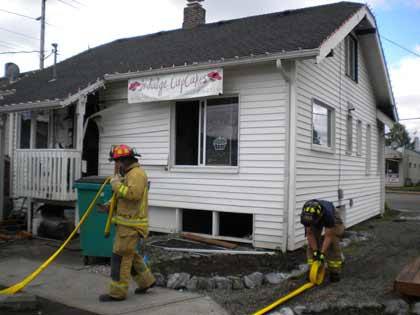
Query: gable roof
[297,30]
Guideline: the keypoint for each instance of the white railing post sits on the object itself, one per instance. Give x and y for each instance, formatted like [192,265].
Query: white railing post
[47,174]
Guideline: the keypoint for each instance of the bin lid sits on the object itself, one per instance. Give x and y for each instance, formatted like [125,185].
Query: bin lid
[91,179]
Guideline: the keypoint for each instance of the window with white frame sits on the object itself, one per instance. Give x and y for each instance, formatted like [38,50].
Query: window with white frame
[359,138]
[206,132]
[349,128]
[368,148]
[351,56]
[322,124]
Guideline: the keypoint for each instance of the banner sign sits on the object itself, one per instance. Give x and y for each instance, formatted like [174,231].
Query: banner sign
[175,86]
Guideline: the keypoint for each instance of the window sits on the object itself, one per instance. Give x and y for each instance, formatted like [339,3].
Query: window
[207,132]
[368,148]
[409,165]
[322,125]
[349,128]
[42,130]
[351,57]
[25,130]
[359,138]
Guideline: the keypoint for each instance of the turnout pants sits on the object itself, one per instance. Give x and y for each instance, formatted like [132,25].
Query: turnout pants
[126,263]
[333,255]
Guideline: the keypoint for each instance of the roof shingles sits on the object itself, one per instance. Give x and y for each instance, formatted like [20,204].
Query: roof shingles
[276,32]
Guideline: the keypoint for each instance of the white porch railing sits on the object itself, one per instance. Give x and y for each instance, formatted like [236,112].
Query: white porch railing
[47,173]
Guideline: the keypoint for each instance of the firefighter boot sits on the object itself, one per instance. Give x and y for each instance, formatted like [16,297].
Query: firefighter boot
[108,298]
[334,277]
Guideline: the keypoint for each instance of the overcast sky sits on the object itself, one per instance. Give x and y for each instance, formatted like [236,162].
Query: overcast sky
[79,24]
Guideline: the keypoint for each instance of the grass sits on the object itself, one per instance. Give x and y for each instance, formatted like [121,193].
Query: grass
[405,188]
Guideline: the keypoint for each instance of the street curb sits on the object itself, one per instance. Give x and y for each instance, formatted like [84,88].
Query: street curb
[19,302]
[403,192]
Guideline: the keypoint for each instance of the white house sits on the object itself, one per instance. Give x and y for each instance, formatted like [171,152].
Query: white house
[402,167]
[238,122]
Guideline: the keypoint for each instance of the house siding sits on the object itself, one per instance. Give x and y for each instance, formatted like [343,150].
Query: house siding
[259,185]
[317,173]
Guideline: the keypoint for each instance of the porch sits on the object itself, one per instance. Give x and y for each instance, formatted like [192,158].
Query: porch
[47,174]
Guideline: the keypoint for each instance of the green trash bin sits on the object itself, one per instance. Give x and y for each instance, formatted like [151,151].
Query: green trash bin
[92,240]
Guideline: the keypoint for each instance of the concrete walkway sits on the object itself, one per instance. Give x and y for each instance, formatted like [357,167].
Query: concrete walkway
[75,287]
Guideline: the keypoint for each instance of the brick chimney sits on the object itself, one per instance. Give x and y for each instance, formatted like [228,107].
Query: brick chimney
[194,14]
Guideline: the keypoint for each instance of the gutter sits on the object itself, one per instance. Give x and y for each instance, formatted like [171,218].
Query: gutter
[297,54]
[52,104]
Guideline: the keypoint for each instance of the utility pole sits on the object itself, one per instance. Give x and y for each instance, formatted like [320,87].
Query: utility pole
[41,50]
[55,50]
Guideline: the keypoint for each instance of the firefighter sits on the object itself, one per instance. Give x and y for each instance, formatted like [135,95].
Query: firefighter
[130,185]
[317,215]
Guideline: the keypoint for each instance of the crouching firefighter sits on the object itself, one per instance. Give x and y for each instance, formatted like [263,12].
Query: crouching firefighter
[317,215]
[130,187]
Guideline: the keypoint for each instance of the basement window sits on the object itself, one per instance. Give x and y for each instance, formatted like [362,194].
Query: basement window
[235,225]
[351,56]
[206,132]
[197,221]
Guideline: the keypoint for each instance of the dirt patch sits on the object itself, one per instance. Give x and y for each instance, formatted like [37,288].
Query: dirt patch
[369,271]
[231,265]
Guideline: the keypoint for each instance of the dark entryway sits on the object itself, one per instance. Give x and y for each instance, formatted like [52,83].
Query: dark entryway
[91,150]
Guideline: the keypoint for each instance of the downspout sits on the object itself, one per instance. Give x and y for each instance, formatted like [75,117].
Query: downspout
[289,76]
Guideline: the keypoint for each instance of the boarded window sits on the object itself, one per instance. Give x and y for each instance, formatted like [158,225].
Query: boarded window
[368,148]
[351,57]
[321,124]
[349,128]
[359,137]
[207,132]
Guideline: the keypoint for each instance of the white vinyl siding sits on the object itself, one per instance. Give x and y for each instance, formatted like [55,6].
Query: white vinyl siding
[319,174]
[257,187]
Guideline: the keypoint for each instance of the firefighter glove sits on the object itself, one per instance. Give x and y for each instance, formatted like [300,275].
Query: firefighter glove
[115,179]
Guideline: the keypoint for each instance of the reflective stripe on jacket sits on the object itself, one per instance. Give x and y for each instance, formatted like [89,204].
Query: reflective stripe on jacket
[132,201]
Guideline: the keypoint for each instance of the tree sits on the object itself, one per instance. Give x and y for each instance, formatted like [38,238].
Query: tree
[398,137]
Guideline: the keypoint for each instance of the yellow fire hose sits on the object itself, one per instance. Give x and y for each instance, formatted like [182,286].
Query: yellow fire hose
[110,215]
[19,286]
[316,277]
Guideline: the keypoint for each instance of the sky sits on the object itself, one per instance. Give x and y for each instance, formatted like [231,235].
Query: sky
[76,25]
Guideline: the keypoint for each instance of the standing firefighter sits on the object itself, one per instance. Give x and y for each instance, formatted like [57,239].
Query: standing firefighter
[317,215]
[130,187]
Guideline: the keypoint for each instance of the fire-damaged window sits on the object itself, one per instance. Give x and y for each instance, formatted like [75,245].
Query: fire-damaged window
[206,132]
[25,130]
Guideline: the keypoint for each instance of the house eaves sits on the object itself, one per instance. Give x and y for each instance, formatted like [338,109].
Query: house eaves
[374,54]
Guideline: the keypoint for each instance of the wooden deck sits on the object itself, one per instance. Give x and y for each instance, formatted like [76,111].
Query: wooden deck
[408,281]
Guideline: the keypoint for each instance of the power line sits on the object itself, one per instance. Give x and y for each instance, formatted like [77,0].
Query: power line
[79,3]
[69,4]
[6,44]
[401,46]
[18,14]
[20,34]
[18,52]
